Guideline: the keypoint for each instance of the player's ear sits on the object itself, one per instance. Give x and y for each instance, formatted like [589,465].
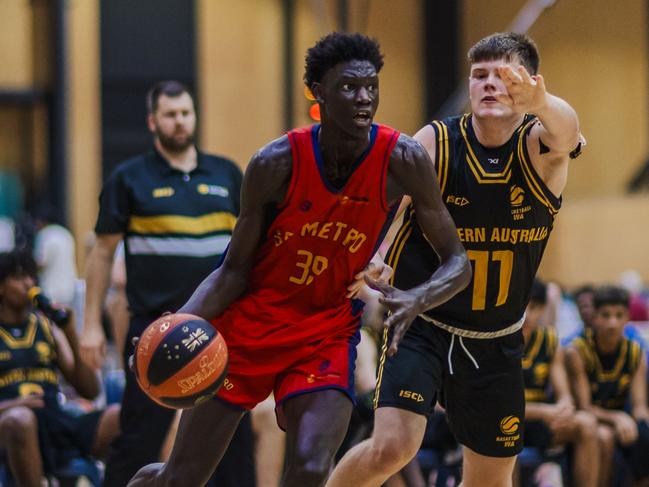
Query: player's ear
[150,121]
[316,90]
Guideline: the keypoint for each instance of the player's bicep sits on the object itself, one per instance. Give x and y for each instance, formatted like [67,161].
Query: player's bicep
[427,138]
[577,369]
[639,383]
[263,186]
[432,215]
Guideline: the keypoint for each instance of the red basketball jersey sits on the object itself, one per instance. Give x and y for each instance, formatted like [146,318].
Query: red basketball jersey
[321,238]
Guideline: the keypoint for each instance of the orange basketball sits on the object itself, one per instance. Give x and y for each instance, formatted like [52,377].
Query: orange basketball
[180,361]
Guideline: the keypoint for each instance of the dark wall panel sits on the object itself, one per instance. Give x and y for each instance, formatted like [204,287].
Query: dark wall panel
[141,42]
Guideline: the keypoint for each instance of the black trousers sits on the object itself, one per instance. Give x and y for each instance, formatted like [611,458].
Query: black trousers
[144,426]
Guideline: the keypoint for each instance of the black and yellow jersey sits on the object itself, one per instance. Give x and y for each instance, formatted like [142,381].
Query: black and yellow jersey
[504,214]
[540,349]
[28,360]
[609,375]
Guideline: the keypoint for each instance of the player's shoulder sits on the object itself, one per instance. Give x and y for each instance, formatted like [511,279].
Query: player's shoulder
[408,150]
[274,158]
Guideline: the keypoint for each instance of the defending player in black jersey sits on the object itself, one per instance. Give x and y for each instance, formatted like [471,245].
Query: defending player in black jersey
[610,373]
[501,170]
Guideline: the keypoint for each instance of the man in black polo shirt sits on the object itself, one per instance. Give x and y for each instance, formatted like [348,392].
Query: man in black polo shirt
[175,208]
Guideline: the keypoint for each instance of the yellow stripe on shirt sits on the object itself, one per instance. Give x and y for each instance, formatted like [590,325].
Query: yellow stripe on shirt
[191,225]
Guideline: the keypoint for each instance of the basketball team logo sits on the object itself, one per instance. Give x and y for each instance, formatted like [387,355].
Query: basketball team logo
[516,195]
[509,425]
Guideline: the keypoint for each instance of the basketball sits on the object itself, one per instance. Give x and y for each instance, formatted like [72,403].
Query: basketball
[181,360]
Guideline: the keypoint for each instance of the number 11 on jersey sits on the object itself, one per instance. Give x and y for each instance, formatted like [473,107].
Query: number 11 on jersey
[481,258]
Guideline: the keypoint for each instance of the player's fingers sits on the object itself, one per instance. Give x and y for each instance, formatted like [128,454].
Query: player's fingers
[383,288]
[386,274]
[504,99]
[134,341]
[131,363]
[397,335]
[525,76]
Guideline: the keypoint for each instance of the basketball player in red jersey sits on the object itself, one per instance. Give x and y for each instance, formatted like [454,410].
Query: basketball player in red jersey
[314,206]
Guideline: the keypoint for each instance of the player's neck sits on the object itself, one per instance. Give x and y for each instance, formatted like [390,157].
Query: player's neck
[10,316]
[607,346]
[185,160]
[494,132]
[339,149]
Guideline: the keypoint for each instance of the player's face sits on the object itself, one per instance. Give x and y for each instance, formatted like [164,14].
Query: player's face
[609,321]
[484,85]
[174,122]
[349,97]
[586,308]
[533,314]
[15,290]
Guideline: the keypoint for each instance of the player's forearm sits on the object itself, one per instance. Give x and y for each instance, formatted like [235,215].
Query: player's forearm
[450,278]
[216,292]
[561,123]
[536,411]
[98,270]
[603,415]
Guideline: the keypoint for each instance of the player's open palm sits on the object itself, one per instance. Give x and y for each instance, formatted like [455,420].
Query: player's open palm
[525,93]
[403,307]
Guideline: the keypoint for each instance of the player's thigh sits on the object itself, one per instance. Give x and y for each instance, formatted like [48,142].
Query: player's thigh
[316,423]
[485,471]
[410,379]
[484,397]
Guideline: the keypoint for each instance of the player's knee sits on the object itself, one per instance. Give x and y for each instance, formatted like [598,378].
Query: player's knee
[307,471]
[392,452]
[148,476]
[586,426]
[606,438]
[17,425]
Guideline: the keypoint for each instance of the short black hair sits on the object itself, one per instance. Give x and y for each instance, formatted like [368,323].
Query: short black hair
[539,292]
[336,48]
[585,289]
[507,46]
[17,263]
[170,88]
[611,295]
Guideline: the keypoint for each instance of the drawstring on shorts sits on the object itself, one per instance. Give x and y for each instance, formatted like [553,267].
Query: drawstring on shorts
[450,352]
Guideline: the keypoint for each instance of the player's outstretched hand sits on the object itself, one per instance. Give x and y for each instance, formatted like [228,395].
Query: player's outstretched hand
[378,271]
[403,307]
[525,93]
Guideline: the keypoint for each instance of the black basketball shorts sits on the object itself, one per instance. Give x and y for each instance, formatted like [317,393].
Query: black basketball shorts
[478,381]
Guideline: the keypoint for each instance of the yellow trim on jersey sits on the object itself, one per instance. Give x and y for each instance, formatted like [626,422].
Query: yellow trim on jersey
[379,377]
[482,176]
[613,374]
[441,154]
[586,352]
[529,358]
[400,240]
[528,173]
[537,395]
[27,339]
[634,359]
[198,225]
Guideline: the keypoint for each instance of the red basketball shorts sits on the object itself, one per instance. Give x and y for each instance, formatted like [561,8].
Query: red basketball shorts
[256,371]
